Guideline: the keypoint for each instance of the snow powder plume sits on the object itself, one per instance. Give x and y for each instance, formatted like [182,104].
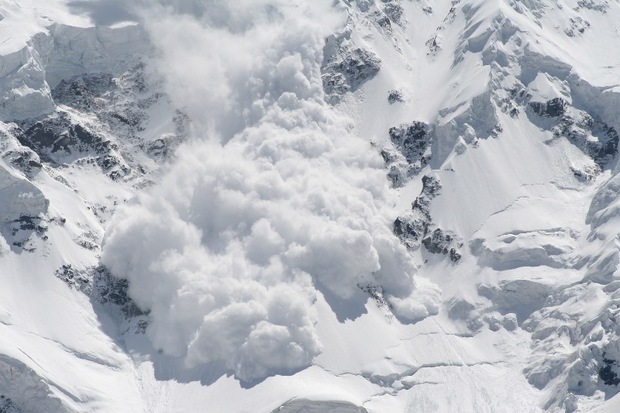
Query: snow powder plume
[274,202]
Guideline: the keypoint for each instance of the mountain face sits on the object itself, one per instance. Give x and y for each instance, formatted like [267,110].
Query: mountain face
[331,206]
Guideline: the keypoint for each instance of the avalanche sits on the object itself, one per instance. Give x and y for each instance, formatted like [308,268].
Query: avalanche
[286,206]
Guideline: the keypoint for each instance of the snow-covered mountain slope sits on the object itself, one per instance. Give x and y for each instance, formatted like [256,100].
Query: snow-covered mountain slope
[289,206]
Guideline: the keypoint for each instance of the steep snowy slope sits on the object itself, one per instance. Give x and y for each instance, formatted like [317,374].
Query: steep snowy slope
[289,206]
[86,125]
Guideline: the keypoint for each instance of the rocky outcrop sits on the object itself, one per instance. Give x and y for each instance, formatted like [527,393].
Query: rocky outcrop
[600,6]
[409,152]
[587,132]
[107,291]
[412,141]
[444,242]
[550,109]
[73,277]
[61,139]
[416,227]
[412,227]
[93,111]
[346,69]
[395,96]
[394,11]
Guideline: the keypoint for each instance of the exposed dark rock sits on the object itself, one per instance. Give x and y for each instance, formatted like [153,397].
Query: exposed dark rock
[38,136]
[377,293]
[609,372]
[117,103]
[110,107]
[7,405]
[58,140]
[56,137]
[410,230]
[416,227]
[24,160]
[395,96]
[579,128]
[413,227]
[511,100]
[551,109]
[72,276]
[395,12]
[578,26]
[81,92]
[434,45]
[87,244]
[383,21]
[431,187]
[410,152]
[600,6]
[399,171]
[412,140]
[444,242]
[109,289]
[347,70]
[438,241]
[29,223]
[389,155]
[586,175]
[84,135]
[578,132]
[19,232]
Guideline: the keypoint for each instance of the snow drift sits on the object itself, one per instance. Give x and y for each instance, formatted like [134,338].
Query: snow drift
[274,201]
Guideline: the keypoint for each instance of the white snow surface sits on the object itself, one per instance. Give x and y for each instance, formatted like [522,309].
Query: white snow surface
[260,256]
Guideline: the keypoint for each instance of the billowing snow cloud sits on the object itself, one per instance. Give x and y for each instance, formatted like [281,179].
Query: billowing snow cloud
[273,201]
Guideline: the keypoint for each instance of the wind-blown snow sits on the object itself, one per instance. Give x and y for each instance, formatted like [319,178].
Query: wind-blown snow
[274,199]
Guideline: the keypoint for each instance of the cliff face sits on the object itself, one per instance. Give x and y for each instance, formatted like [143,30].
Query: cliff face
[363,206]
